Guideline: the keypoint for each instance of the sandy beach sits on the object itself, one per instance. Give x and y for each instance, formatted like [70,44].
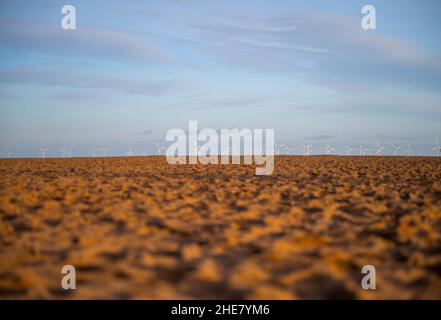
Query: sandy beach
[139,228]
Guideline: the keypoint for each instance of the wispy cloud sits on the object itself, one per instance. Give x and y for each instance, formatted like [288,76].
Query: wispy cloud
[59,78]
[147,132]
[72,95]
[322,48]
[102,43]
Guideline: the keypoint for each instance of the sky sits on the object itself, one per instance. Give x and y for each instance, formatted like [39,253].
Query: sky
[132,70]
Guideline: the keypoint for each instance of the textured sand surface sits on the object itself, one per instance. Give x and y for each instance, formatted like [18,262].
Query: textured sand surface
[140,228]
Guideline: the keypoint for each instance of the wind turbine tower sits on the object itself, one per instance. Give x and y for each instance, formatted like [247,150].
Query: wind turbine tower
[130,153]
[408,151]
[396,148]
[104,151]
[63,152]
[307,149]
[437,148]
[348,150]
[43,152]
[379,149]
[158,149]
[328,151]
[196,150]
[8,154]
[367,151]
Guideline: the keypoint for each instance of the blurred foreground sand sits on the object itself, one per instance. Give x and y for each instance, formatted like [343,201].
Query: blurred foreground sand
[139,228]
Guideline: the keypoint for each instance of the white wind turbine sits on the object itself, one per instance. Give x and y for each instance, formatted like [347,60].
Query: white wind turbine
[348,150]
[104,151]
[361,148]
[43,152]
[408,151]
[130,153]
[307,149]
[196,149]
[396,148]
[93,153]
[328,150]
[289,150]
[69,152]
[158,149]
[437,148]
[8,154]
[278,147]
[367,151]
[63,152]
[379,149]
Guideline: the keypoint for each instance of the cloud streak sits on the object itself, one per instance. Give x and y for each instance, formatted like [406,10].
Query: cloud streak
[102,43]
[66,79]
[321,48]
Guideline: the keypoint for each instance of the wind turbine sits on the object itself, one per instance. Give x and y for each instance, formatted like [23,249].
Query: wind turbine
[307,149]
[130,153]
[289,150]
[348,150]
[104,151]
[379,149]
[396,148]
[69,152]
[408,151]
[63,152]
[196,149]
[43,152]
[93,153]
[278,147]
[328,151]
[158,149]
[366,151]
[8,154]
[437,148]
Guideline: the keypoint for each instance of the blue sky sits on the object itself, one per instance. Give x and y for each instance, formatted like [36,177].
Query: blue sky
[134,69]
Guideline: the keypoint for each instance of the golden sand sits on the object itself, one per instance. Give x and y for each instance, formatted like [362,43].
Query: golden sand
[140,228]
